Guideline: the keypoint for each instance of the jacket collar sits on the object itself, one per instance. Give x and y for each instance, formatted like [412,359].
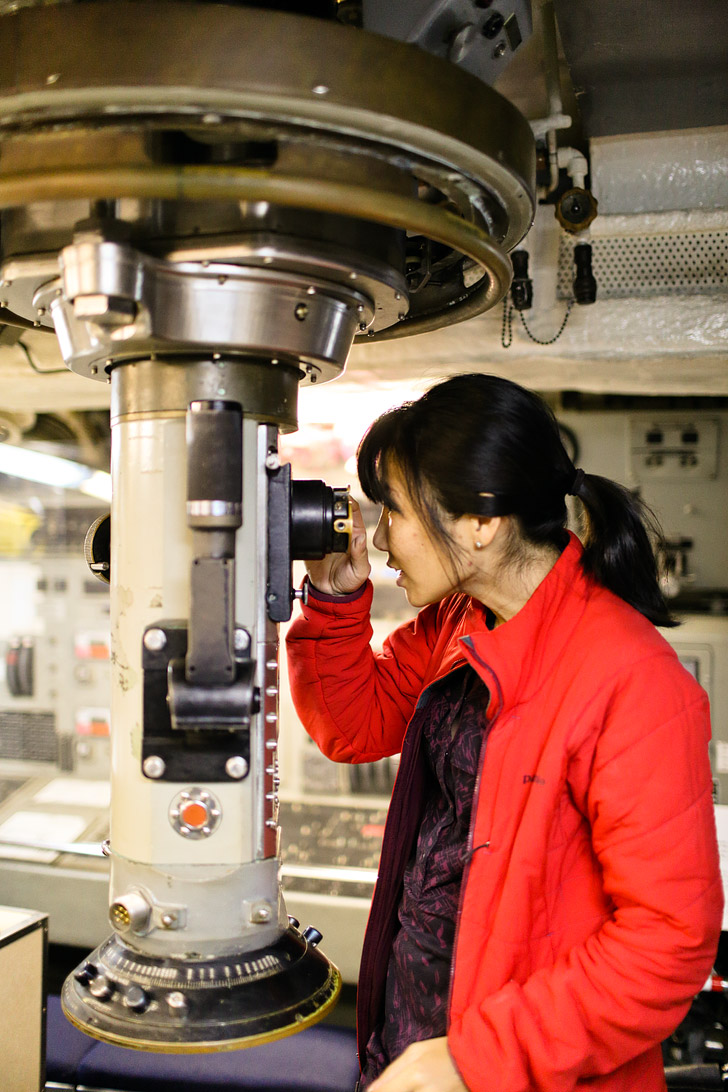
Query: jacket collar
[515,658]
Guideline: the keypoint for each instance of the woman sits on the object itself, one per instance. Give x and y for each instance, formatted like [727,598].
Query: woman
[549,897]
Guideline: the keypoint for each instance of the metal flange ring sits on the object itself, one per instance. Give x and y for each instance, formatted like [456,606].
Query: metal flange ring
[245,184]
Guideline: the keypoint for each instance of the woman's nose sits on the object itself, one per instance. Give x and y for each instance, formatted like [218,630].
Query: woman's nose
[379,538]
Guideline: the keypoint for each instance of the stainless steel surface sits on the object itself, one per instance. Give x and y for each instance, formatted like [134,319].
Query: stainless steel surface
[266,392]
[114,304]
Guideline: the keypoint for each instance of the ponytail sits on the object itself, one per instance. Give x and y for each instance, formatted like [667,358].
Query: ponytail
[617,548]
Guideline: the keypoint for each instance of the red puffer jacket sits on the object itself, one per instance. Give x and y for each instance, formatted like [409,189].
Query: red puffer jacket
[591,905]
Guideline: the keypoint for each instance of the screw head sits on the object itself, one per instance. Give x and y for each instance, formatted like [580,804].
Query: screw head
[155,640]
[236,767]
[154,766]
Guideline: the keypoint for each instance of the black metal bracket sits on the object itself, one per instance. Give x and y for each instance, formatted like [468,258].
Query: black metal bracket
[192,732]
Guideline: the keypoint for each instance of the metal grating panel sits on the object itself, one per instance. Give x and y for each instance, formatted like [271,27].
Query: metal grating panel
[29,736]
[694,263]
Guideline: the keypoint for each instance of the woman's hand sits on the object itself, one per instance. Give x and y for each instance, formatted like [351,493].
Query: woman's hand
[341,574]
[423,1067]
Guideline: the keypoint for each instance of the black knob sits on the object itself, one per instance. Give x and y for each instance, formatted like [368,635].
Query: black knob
[86,974]
[312,936]
[585,285]
[522,285]
[493,25]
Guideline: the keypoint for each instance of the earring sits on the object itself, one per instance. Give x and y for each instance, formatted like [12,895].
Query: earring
[478,544]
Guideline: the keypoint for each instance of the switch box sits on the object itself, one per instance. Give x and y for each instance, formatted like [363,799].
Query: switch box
[674,449]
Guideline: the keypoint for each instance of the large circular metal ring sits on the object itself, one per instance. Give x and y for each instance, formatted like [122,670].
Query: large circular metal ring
[463,153]
[238,183]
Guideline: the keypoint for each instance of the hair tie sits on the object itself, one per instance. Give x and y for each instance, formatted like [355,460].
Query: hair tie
[576,484]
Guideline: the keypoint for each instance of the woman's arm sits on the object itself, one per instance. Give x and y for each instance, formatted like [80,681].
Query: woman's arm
[355,703]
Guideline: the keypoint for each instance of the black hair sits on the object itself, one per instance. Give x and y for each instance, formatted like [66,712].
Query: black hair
[482,445]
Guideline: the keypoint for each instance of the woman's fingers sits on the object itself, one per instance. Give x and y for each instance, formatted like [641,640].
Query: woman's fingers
[426,1066]
[341,574]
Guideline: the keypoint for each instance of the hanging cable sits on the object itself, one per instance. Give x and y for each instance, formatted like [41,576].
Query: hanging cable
[34,366]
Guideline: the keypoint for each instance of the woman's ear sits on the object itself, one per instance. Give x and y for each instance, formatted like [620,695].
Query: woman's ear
[485,528]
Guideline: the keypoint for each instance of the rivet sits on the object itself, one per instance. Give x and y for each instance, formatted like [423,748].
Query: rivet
[154,766]
[155,640]
[320,89]
[236,767]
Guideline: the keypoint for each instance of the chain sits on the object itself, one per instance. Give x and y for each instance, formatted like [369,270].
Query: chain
[507,327]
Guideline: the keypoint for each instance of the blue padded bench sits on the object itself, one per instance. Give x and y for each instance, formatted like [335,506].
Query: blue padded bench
[320,1059]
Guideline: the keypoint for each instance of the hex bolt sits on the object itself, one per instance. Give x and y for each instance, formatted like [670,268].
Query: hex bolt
[155,640]
[177,1003]
[154,766]
[236,767]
